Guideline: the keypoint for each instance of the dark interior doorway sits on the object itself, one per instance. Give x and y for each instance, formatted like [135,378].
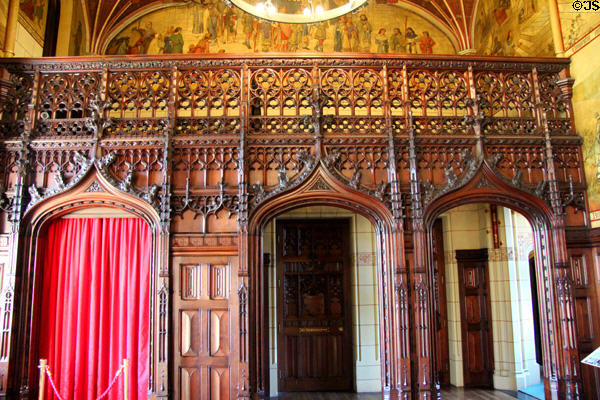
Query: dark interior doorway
[476,317]
[314,306]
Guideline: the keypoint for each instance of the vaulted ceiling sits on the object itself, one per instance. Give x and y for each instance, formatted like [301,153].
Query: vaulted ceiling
[107,17]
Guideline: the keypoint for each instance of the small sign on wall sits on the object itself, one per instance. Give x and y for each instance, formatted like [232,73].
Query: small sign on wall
[593,358]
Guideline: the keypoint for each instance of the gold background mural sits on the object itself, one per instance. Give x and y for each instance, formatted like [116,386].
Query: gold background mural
[576,25]
[33,16]
[513,28]
[213,27]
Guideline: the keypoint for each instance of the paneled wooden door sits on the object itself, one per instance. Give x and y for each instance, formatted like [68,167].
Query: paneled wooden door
[314,343]
[441,317]
[476,318]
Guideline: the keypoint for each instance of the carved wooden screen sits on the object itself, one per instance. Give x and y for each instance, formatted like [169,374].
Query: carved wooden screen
[206,142]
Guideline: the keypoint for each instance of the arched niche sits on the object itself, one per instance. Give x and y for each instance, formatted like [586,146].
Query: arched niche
[92,192]
[323,188]
[556,304]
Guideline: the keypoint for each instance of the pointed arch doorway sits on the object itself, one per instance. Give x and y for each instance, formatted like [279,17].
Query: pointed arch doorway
[322,199]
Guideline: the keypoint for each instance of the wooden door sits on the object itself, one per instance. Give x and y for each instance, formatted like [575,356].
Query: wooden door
[476,318]
[313,305]
[442,353]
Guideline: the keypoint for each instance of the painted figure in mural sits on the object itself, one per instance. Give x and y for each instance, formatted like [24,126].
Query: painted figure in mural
[230,25]
[168,46]
[500,11]
[197,21]
[119,46]
[510,45]
[147,35]
[203,45]
[397,42]
[320,36]
[411,40]
[177,41]
[381,41]
[213,22]
[426,43]
[339,33]
[285,32]
[78,39]
[154,47]
[350,37]
[136,41]
[173,41]
[247,29]
[265,36]
[364,33]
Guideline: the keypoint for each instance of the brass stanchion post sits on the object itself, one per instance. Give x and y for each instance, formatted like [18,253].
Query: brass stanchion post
[43,366]
[125,379]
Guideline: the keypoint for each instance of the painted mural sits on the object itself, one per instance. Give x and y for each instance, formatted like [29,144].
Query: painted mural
[33,17]
[586,103]
[212,27]
[513,28]
[578,26]
[77,40]
[3,17]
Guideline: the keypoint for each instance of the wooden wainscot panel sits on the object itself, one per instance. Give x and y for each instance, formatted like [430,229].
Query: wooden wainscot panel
[219,281]
[191,328]
[219,333]
[203,328]
[219,383]
[191,383]
[586,307]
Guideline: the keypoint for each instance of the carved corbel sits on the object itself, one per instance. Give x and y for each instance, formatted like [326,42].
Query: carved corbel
[380,191]
[451,179]
[127,183]
[284,180]
[354,182]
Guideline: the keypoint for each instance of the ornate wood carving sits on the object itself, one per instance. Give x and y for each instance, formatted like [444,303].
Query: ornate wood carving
[217,146]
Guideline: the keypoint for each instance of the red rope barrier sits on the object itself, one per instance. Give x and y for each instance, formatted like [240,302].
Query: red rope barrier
[112,383]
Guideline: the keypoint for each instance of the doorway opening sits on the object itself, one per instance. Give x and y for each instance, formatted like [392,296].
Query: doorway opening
[486,322]
[323,301]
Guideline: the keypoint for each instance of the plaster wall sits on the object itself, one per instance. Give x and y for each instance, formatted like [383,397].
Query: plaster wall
[469,227]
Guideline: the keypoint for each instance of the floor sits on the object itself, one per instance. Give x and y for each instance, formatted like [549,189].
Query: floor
[447,394]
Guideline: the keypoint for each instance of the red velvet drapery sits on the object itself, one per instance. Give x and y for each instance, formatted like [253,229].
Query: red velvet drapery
[95,305]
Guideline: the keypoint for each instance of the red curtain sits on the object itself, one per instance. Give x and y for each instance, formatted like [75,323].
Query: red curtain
[95,305]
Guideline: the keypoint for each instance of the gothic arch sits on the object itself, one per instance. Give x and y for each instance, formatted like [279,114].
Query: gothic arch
[91,189]
[322,187]
[485,185]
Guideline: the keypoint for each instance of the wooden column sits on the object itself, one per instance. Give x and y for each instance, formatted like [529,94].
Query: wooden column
[557,36]
[10,35]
